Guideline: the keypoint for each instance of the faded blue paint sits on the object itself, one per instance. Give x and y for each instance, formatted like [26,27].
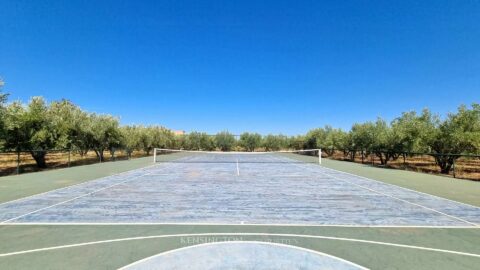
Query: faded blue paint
[258,256]
[267,191]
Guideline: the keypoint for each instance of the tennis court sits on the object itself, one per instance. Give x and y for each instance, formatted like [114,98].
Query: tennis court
[286,199]
[243,188]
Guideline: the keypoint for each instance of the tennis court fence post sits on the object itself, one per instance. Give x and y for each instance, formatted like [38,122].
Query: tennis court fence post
[453,167]
[18,161]
[69,155]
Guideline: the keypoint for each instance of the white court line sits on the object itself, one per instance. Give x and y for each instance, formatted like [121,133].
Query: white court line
[72,199]
[412,190]
[236,152]
[416,191]
[78,197]
[82,183]
[241,223]
[412,203]
[276,175]
[243,234]
[238,168]
[390,196]
[245,242]
[4,222]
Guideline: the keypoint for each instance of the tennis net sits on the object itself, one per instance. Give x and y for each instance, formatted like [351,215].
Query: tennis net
[189,156]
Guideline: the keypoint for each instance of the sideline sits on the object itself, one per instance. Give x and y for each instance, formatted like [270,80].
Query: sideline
[243,234]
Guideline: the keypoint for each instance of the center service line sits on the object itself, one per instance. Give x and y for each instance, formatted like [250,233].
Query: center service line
[238,169]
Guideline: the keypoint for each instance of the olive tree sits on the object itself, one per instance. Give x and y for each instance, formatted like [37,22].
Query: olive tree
[207,142]
[130,139]
[459,133]
[334,139]
[250,141]
[360,137]
[146,139]
[161,137]
[387,144]
[412,129]
[28,128]
[193,141]
[274,142]
[225,140]
[72,126]
[105,134]
[314,138]
[296,142]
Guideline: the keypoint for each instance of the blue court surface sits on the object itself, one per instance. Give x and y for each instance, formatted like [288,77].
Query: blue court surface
[243,255]
[239,189]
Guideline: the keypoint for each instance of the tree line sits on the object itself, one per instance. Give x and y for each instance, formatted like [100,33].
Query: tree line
[446,140]
[39,126]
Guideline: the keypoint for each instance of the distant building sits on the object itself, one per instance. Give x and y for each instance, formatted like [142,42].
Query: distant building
[179,132]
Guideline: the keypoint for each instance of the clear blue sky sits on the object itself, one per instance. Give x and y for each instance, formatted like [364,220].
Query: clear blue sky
[265,66]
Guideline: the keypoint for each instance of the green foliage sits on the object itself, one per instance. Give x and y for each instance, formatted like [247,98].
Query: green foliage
[386,144]
[296,142]
[145,138]
[413,130]
[180,142]
[326,138]
[105,133]
[314,138]
[199,141]
[38,127]
[130,138]
[334,138]
[29,128]
[274,142]
[161,137]
[69,123]
[459,133]
[225,140]
[362,136]
[250,141]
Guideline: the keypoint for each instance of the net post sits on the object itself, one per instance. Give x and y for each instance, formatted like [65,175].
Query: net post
[320,156]
[154,155]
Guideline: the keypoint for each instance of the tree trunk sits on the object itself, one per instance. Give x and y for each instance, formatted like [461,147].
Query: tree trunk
[445,163]
[446,168]
[352,155]
[39,157]
[388,157]
[328,151]
[83,152]
[99,153]
[382,159]
[112,153]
